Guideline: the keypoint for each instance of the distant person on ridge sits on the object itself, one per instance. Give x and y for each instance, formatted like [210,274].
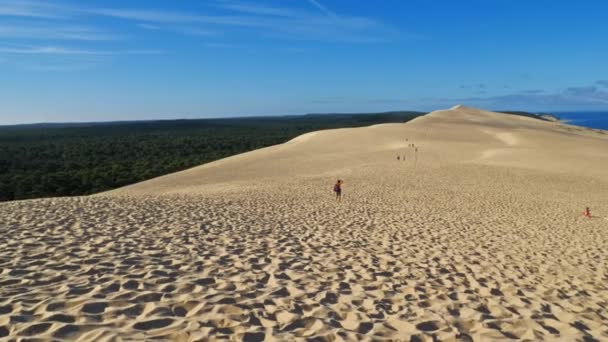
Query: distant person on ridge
[338,190]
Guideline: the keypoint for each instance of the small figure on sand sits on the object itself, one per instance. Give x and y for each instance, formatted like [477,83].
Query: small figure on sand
[587,212]
[338,190]
[398,158]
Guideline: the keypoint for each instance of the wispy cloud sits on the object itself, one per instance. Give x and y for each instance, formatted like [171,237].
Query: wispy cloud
[323,9]
[47,50]
[148,26]
[60,67]
[603,83]
[145,15]
[588,96]
[47,28]
[195,31]
[32,9]
[180,18]
[59,50]
[590,92]
[221,45]
[257,9]
[271,22]
[250,18]
[46,31]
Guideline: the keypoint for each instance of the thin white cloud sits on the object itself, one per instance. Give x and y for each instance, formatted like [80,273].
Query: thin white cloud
[569,97]
[195,31]
[159,16]
[47,50]
[323,9]
[43,28]
[251,18]
[60,67]
[145,15]
[61,32]
[305,26]
[59,50]
[189,30]
[32,9]
[220,45]
[258,9]
[148,26]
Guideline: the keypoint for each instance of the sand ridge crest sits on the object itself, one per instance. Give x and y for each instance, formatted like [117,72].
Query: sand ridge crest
[446,136]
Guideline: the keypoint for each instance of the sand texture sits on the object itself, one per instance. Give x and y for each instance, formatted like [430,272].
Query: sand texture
[478,236]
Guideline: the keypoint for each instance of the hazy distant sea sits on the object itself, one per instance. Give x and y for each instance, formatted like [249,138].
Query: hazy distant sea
[597,120]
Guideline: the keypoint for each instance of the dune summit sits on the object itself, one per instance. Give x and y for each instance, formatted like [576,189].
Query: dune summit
[479,235]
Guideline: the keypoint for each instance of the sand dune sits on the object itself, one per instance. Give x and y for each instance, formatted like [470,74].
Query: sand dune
[478,236]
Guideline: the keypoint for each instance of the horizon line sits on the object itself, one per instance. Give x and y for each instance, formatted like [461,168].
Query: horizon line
[245,116]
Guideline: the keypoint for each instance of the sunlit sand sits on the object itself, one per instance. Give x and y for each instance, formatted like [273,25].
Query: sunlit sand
[479,235]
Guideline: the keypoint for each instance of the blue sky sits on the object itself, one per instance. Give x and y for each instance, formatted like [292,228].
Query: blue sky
[103,60]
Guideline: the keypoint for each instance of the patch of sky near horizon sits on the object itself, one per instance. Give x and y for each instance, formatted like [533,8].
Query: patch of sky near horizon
[189,59]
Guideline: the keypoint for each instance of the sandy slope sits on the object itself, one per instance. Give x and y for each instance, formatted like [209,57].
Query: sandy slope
[478,236]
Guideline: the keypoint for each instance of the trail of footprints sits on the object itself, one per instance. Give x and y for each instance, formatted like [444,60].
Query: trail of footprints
[397,260]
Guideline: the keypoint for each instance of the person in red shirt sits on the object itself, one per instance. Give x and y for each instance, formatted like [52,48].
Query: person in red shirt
[587,212]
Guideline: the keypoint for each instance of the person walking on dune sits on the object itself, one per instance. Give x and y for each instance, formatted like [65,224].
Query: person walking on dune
[338,190]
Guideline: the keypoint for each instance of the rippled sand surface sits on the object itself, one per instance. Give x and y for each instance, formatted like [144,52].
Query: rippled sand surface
[477,236]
